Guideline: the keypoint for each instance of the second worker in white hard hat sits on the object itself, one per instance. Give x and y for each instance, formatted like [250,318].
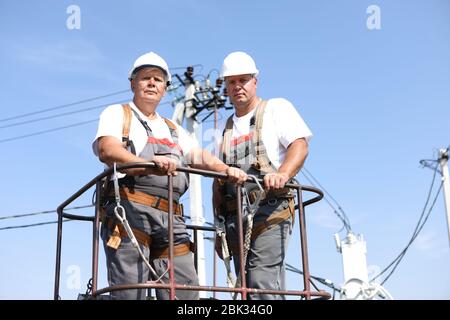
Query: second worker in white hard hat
[135,132]
[268,139]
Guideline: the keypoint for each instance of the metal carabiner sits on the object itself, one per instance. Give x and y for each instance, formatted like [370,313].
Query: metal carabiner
[120,216]
[245,203]
[253,207]
[116,185]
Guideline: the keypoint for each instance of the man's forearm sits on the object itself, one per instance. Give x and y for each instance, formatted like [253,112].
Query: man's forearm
[295,158]
[202,159]
[111,151]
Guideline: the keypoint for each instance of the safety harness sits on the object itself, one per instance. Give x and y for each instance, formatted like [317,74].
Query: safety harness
[256,164]
[259,165]
[119,230]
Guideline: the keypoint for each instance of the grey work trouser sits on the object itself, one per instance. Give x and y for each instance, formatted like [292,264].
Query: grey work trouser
[125,266]
[265,260]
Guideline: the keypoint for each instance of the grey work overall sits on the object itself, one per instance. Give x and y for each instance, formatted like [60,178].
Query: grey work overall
[124,263]
[265,261]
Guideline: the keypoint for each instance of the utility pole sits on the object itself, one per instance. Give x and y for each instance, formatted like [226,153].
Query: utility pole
[443,162]
[353,250]
[356,279]
[185,110]
[197,101]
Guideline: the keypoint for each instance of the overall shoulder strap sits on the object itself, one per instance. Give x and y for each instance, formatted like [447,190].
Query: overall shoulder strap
[170,124]
[173,129]
[259,116]
[226,138]
[143,122]
[127,143]
[263,162]
[126,122]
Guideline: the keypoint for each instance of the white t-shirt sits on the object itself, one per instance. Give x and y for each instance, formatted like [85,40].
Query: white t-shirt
[111,122]
[282,124]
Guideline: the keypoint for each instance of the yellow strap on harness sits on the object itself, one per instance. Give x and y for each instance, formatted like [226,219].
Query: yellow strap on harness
[274,219]
[126,123]
[127,115]
[149,200]
[263,162]
[178,250]
[119,232]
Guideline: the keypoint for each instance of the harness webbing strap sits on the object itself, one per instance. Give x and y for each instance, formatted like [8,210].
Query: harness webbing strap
[263,162]
[170,124]
[120,232]
[178,250]
[127,114]
[126,122]
[149,200]
[226,143]
[274,219]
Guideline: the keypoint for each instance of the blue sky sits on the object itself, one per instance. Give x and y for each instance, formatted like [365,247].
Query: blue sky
[377,102]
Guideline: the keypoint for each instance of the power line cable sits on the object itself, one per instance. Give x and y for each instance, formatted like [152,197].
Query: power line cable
[33,225]
[412,239]
[420,224]
[343,220]
[80,101]
[42,212]
[347,221]
[61,114]
[214,70]
[58,128]
[69,113]
[38,213]
[400,256]
[47,131]
[63,106]
[325,282]
[179,68]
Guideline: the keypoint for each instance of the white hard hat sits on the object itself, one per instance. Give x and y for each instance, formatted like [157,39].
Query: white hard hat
[238,63]
[151,59]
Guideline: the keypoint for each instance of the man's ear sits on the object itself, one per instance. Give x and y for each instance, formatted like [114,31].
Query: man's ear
[132,85]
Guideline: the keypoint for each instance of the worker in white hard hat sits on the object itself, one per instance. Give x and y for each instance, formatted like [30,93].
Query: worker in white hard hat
[268,139]
[135,132]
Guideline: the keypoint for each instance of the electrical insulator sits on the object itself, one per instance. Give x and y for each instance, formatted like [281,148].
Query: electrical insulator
[197,85]
[189,71]
[337,241]
[188,74]
[219,82]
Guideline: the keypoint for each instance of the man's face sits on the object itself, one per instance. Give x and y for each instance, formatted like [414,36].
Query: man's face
[241,88]
[149,84]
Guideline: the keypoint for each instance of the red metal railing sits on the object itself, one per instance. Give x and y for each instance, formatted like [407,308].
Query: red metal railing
[172,286]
